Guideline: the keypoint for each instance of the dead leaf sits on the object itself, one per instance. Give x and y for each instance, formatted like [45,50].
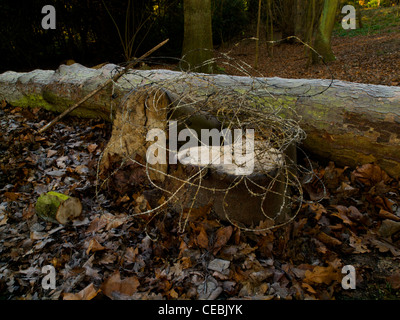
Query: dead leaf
[221,238]
[320,246]
[61,162]
[28,212]
[382,245]
[51,153]
[394,280]
[308,288]
[388,228]
[94,246]
[182,248]
[318,209]
[383,203]
[82,170]
[98,223]
[346,190]
[202,237]
[357,243]
[342,214]
[370,174]
[3,220]
[114,284]
[13,196]
[92,147]
[173,294]
[87,293]
[354,214]
[186,262]
[108,258]
[322,275]
[198,213]
[333,176]
[388,215]
[115,222]
[327,239]
[130,255]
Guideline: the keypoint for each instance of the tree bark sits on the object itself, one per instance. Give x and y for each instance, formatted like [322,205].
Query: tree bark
[349,123]
[197,40]
[322,42]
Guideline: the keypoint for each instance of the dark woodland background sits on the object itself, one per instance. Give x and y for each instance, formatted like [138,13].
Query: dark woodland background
[85,31]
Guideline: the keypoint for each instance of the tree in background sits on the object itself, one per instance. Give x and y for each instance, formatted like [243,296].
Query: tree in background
[322,42]
[197,39]
[310,20]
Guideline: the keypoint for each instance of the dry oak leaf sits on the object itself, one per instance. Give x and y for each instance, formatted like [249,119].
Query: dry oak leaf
[342,214]
[327,239]
[201,237]
[94,246]
[322,275]
[87,293]
[114,284]
[130,255]
[358,245]
[333,175]
[388,215]
[318,209]
[308,288]
[221,238]
[370,174]
[383,203]
[92,147]
[384,246]
[13,196]
[97,224]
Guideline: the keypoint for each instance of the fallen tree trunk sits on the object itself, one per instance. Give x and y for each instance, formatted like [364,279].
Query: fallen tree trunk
[349,123]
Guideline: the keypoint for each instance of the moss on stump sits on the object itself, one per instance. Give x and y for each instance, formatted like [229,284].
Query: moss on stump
[57,207]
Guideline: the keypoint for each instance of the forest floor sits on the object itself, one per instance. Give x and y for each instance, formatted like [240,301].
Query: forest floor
[108,254]
[373,59]
[367,55]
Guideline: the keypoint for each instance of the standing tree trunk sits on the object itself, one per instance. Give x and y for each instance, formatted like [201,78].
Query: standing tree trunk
[322,42]
[258,33]
[303,22]
[197,41]
[288,17]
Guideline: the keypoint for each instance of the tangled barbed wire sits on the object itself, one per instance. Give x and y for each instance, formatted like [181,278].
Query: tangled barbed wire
[198,101]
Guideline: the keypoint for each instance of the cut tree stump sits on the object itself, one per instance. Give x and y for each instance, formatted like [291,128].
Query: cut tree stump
[242,191]
[244,200]
[57,207]
[348,123]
